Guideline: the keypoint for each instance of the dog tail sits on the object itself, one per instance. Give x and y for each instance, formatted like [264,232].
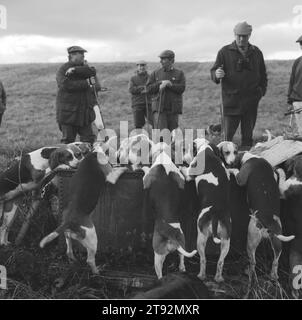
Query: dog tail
[276,229]
[283,238]
[175,236]
[53,235]
[187,254]
[214,229]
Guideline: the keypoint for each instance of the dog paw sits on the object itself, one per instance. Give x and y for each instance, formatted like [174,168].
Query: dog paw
[182,269]
[274,276]
[201,276]
[219,278]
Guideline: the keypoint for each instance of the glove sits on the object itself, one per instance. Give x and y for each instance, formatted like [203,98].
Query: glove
[69,71]
[164,84]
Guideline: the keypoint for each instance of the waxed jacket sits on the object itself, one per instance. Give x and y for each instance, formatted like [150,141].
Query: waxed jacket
[245,80]
[170,99]
[75,97]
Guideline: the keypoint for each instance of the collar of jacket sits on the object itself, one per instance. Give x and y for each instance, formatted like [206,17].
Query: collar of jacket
[143,74]
[168,70]
[233,46]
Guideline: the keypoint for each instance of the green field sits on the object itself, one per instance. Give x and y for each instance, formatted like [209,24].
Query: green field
[29,121]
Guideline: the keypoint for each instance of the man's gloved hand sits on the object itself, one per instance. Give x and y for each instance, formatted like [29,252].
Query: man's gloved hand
[69,71]
[164,84]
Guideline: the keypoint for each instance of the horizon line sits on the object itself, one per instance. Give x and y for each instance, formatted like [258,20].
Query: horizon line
[128,62]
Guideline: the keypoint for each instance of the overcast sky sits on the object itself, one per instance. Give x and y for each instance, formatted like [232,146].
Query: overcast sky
[127,30]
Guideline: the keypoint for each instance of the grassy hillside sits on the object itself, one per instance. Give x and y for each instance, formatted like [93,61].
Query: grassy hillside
[29,123]
[30,118]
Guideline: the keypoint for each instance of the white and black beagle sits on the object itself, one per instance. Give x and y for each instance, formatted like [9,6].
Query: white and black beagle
[228,152]
[291,190]
[136,151]
[86,185]
[164,184]
[27,174]
[257,176]
[213,188]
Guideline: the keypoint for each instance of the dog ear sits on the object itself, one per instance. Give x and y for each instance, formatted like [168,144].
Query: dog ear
[148,177]
[85,148]
[55,159]
[215,150]
[46,152]
[297,167]
[220,152]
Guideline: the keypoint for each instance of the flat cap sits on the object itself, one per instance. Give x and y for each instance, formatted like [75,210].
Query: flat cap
[141,62]
[167,54]
[76,49]
[299,40]
[243,28]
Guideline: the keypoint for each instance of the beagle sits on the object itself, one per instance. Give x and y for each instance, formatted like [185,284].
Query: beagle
[213,189]
[164,184]
[257,176]
[28,172]
[86,185]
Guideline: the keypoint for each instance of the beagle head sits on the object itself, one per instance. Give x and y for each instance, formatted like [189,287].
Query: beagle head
[109,148]
[65,157]
[84,147]
[135,150]
[228,152]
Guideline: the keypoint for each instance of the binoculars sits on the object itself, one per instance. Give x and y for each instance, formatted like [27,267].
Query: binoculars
[243,63]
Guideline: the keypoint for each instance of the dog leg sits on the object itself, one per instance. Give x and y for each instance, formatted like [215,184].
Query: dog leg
[253,239]
[10,209]
[90,242]
[202,239]
[224,250]
[69,250]
[277,249]
[182,267]
[158,264]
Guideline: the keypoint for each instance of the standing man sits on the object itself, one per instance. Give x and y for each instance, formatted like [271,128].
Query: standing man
[241,70]
[295,88]
[167,85]
[141,103]
[75,97]
[2,101]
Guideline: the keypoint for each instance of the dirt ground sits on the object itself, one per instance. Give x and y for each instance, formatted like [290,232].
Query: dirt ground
[34,273]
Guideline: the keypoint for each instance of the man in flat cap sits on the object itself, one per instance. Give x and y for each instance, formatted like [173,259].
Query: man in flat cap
[75,97]
[140,100]
[2,101]
[241,70]
[167,86]
[294,96]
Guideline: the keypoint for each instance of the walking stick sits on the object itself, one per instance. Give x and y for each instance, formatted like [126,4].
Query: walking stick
[221,110]
[159,110]
[149,125]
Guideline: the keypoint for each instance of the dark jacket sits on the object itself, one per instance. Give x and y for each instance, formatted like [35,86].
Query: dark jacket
[295,82]
[75,98]
[136,86]
[2,98]
[171,97]
[245,81]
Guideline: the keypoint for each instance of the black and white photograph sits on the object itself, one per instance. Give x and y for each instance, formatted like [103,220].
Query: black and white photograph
[150,152]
